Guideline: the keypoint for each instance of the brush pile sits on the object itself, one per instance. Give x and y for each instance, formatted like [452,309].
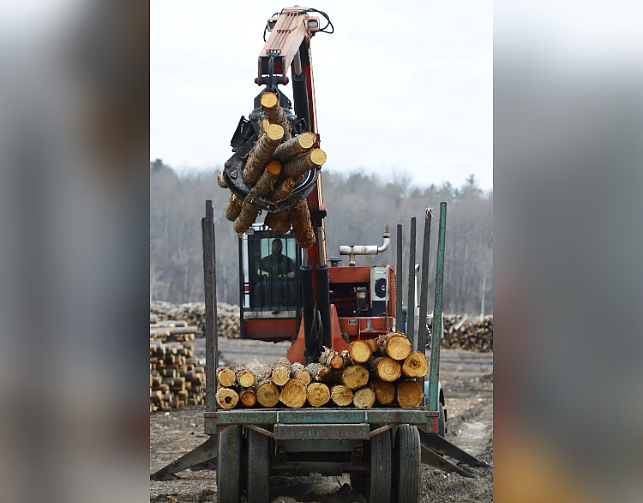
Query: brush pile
[274,166]
[384,370]
[470,334]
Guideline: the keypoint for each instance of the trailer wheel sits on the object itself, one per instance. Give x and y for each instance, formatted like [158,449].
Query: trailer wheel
[258,467]
[229,465]
[406,465]
[378,481]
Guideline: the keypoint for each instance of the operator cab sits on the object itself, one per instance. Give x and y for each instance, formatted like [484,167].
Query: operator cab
[269,293]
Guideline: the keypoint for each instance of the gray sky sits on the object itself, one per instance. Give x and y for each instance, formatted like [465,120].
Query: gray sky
[402,87]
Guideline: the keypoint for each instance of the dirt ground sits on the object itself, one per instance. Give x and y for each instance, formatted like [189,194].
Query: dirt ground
[467,379]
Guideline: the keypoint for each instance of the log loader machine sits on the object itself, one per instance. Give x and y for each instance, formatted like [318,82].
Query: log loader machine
[317,305]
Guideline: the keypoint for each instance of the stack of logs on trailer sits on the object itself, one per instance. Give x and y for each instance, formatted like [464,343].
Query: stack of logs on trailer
[470,334]
[276,163]
[384,371]
[176,378]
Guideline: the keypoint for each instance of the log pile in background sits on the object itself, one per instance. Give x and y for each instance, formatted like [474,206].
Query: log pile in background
[470,334]
[193,314]
[176,378]
[385,373]
[276,163]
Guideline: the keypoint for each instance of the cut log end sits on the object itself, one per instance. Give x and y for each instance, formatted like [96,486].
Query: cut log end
[410,394]
[384,392]
[364,398]
[227,398]
[415,365]
[341,395]
[273,167]
[355,376]
[245,378]
[307,139]
[275,132]
[318,394]
[395,345]
[226,377]
[318,157]
[248,398]
[294,394]
[269,100]
[360,351]
[280,376]
[388,369]
[267,394]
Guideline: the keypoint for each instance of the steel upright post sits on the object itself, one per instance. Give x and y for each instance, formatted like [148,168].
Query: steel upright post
[398,281]
[437,312]
[424,284]
[410,305]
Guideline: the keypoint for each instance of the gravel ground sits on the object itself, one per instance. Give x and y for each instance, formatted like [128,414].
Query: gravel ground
[467,379]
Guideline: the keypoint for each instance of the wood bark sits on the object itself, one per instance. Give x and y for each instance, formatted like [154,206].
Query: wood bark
[227,398]
[295,146]
[318,394]
[221,181]
[297,166]
[331,358]
[173,330]
[169,324]
[233,207]
[281,371]
[245,378]
[293,394]
[415,365]
[372,343]
[299,215]
[386,368]
[395,345]
[384,392]
[318,372]
[261,153]
[282,191]
[278,221]
[264,185]
[409,394]
[262,372]
[298,371]
[355,376]
[226,377]
[364,398]
[246,217]
[360,351]
[341,395]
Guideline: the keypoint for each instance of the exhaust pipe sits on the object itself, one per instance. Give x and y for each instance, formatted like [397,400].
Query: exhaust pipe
[353,250]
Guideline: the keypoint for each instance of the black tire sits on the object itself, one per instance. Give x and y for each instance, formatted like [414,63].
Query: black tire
[406,467]
[442,426]
[378,481]
[258,467]
[229,465]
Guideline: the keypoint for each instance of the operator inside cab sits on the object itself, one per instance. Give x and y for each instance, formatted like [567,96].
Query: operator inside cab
[276,272]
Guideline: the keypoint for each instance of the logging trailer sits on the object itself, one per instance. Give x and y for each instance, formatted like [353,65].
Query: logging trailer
[382,448]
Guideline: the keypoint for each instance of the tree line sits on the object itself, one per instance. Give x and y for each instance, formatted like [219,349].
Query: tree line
[358,206]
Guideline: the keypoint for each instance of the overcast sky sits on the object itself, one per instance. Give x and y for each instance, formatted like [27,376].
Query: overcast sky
[400,87]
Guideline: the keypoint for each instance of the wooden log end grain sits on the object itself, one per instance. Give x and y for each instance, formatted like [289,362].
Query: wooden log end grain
[360,351]
[415,365]
[331,358]
[384,392]
[364,398]
[269,100]
[387,369]
[341,395]
[267,394]
[355,376]
[248,397]
[227,398]
[226,377]
[245,378]
[395,345]
[318,372]
[293,394]
[281,371]
[298,371]
[318,394]
[410,394]
[297,166]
